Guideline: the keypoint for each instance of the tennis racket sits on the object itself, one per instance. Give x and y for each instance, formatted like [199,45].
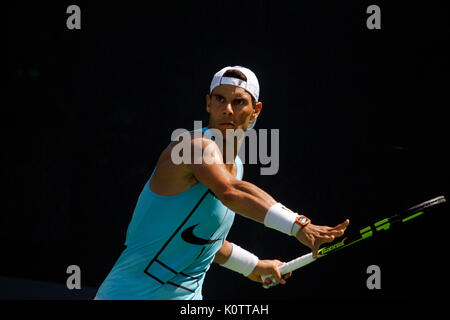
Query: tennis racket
[365,233]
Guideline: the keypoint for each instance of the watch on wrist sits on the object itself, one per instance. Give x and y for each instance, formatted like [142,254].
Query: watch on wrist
[300,222]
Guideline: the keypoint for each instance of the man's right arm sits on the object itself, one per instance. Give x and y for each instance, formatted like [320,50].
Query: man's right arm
[240,196]
[247,199]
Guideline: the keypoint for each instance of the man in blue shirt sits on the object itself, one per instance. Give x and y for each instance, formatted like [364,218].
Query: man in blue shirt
[185,210]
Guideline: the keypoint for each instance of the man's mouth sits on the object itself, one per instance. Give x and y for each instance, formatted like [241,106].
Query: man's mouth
[227,123]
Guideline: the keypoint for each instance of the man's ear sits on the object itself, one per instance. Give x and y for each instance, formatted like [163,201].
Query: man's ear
[208,102]
[256,110]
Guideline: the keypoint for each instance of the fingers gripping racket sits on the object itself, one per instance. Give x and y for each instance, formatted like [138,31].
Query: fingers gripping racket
[365,233]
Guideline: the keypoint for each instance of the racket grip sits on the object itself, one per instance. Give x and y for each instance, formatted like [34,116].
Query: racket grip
[289,267]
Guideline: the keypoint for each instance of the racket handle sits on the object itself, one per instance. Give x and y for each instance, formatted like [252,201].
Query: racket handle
[289,267]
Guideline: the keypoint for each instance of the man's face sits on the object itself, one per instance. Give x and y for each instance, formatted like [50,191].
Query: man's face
[230,107]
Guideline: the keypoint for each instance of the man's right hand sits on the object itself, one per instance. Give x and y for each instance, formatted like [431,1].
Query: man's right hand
[313,236]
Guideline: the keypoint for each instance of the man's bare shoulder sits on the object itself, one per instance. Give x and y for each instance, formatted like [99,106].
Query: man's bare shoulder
[190,148]
[171,176]
[173,157]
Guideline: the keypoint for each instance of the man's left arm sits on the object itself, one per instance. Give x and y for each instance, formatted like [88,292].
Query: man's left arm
[237,259]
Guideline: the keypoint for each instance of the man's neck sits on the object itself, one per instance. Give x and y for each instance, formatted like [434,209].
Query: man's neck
[233,143]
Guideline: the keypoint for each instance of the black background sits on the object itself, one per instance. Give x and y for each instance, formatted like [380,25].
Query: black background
[362,116]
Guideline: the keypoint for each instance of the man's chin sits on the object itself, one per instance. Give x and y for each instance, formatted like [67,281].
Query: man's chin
[226,126]
[230,128]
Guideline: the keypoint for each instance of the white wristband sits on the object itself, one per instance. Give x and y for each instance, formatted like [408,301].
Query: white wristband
[295,229]
[241,260]
[280,218]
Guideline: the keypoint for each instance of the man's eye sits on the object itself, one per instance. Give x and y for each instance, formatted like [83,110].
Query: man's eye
[220,99]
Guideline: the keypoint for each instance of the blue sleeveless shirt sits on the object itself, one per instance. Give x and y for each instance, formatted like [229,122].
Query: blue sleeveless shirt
[171,242]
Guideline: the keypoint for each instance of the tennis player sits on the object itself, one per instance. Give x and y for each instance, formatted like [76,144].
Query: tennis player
[185,211]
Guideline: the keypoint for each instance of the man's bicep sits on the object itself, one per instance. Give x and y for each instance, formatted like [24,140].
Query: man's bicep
[214,177]
[210,169]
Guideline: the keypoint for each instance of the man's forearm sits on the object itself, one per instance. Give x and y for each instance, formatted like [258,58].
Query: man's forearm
[224,253]
[247,199]
[235,258]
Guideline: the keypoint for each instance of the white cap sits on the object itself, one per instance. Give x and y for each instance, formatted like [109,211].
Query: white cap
[251,85]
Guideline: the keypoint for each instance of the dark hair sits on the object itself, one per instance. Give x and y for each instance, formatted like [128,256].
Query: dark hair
[234,73]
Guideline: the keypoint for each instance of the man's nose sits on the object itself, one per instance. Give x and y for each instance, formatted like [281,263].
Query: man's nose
[228,108]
